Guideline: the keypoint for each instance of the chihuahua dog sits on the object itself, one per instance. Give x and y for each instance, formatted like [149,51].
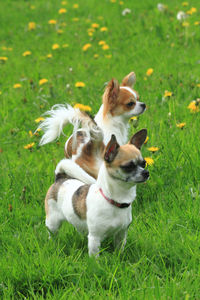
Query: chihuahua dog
[101,209]
[120,103]
[87,144]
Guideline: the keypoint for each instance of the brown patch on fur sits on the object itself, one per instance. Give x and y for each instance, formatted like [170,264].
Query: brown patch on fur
[88,160]
[118,105]
[124,98]
[70,150]
[110,96]
[52,192]
[125,154]
[79,201]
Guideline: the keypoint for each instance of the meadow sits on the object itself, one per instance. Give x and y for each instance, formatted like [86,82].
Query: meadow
[64,52]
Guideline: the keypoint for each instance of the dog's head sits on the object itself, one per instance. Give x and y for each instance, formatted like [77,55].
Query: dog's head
[125,163]
[122,100]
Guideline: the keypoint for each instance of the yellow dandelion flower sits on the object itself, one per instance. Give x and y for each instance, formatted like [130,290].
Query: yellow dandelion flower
[86,47]
[121,2]
[79,84]
[82,107]
[3,58]
[167,94]
[185,3]
[75,5]
[96,55]
[101,43]
[30,133]
[194,106]
[62,11]
[197,23]
[185,24]
[4,48]
[26,53]
[153,149]
[43,81]
[105,47]
[55,46]
[108,56]
[52,22]
[60,31]
[149,72]
[65,45]
[75,19]
[64,2]
[39,119]
[36,133]
[32,7]
[113,1]
[31,26]
[180,125]
[149,161]
[191,11]
[10,49]
[95,25]
[133,119]
[147,138]
[29,146]
[17,86]
[145,78]
[49,55]
[102,29]
[91,30]
[198,84]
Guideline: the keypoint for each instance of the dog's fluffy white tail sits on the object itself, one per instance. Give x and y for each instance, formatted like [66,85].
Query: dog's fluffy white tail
[61,115]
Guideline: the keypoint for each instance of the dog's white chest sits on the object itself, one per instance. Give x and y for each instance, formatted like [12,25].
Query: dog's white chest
[103,218]
[117,224]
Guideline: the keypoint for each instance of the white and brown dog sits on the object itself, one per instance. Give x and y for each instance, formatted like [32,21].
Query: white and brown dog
[120,103]
[86,145]
[104,208]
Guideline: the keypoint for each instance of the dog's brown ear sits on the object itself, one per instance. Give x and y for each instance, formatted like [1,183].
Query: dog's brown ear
[110,96]
[111,149]
[139,138]
[113,90]
[129,80]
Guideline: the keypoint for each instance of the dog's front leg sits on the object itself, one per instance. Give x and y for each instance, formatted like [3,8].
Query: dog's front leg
[120,239]
[94,243]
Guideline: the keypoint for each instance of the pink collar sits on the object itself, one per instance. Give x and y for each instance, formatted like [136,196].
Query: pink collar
[111,201]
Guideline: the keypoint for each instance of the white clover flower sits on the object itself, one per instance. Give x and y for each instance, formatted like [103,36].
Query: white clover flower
[161,7]
[181,15]
[126,11]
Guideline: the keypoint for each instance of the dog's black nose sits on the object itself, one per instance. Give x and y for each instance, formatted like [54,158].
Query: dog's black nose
[145,174]
[143,106]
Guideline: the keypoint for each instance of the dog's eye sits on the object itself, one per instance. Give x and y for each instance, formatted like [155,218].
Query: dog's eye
[129,167]
[130,104]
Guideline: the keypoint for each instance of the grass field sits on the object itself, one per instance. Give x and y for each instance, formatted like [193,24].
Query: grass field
[161,257]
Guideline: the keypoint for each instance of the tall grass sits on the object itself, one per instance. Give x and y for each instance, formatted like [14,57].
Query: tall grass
[161,258]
